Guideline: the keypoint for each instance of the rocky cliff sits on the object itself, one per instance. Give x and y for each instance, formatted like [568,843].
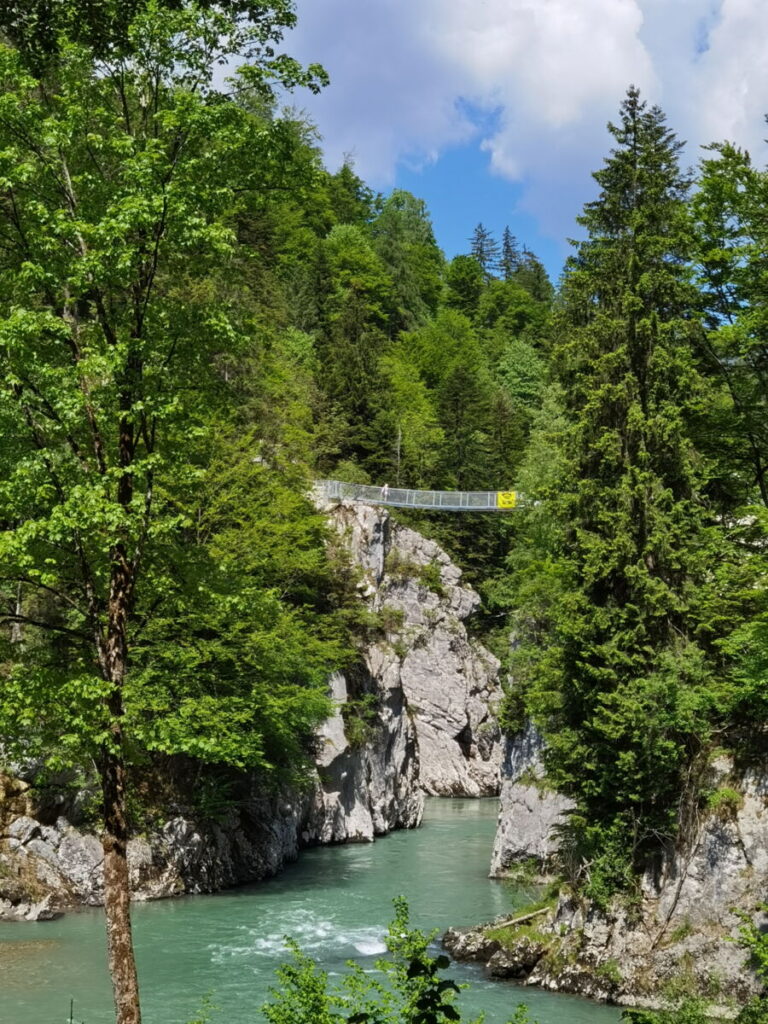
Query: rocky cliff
[47,863]
[529,809]
[679,935]
[414,716]
[448,682]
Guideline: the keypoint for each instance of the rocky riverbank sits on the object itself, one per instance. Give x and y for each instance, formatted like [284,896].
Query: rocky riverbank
[679,935]
[415,716]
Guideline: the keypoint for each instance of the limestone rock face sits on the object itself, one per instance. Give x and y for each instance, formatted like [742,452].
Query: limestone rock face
[528,809]
[447,683]
[688,917]
[426,690]
[44,868]
[369,787]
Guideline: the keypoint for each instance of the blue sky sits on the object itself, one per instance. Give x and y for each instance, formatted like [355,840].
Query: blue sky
[461,192]
[495,110]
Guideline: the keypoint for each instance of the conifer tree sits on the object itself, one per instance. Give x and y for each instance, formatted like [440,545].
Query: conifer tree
[485,249]
[351,201]
[510,255]
[358,296]
[731,239]
[532,275]
[623,686]
[404,240]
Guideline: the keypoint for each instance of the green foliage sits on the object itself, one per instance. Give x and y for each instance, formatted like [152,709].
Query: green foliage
[411,990]
[127,331]
[412,440]
[403,238]
[725,801]
[755,1012]
[690,1011]
[207,1009]
[401,569]
[525,873]
[302,997]
[360,715]
[464,285]
[730,240]
[521,1016]
[682,931]
[610,971]
[130,524]
[522,372]
[485,249]
[754,940]
[429,576]
[508,935]
[510,255]
[351,200]
[196,318]
[746,642]
[356,295]
[450,360]
[351,473]
[533,277]
[686,1006]
[617,664]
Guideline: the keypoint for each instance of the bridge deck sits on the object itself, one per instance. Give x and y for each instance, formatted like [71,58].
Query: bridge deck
[401,497]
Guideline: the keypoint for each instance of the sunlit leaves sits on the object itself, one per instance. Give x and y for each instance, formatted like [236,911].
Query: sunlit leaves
[124,351]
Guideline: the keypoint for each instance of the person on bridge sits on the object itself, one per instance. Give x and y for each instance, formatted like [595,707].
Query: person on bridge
[385,492]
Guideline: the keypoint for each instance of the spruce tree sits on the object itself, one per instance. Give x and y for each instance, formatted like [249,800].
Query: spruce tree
[623,684]
[510,255]
[485,249]
[404,241]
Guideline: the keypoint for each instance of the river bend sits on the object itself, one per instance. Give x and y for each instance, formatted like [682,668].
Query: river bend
[336,901]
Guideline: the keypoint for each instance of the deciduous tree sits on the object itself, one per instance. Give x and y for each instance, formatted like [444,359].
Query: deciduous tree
[121,184]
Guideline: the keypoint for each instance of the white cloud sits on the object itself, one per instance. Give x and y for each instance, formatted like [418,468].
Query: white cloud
[731,78]
[545,59]
[553,71]
[392,95]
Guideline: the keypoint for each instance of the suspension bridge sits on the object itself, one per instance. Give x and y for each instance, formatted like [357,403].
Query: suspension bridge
[402,497]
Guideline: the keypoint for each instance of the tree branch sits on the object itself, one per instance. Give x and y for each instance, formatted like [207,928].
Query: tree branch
[50,626]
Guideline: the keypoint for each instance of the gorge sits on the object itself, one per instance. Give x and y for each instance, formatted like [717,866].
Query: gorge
[420,710]
[212,678]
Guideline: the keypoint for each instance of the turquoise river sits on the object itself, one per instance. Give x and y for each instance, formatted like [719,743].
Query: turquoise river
[336,901]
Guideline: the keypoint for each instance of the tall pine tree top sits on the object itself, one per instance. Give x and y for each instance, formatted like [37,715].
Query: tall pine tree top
[510,255]
[486,251]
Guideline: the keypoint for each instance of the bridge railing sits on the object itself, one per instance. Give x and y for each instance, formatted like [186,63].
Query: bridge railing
[401,497]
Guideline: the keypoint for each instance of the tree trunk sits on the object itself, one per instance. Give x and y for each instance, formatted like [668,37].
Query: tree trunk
[17,634]
[117,890]
[117,893]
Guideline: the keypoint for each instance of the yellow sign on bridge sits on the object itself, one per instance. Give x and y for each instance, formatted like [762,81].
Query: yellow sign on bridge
[506,499]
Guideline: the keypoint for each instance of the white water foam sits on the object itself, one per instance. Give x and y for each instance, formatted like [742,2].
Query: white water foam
[371,948]
[315,935]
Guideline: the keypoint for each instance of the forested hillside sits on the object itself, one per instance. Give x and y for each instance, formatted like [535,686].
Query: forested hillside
[198,319]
